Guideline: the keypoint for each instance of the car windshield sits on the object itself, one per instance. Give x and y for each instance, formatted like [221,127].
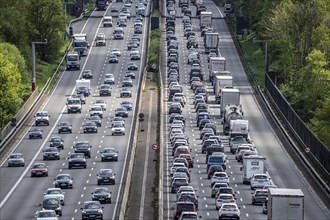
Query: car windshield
[89,123]
[38,166]
[54,192]
[82,145]
[109,150]
[51,149]
[56,139]
[92,206]
[41,114]
[77,155]
[109,76]
[15,156]
[226,190]
[64,124]
[220,175]
[63,178]
[51,201]
[46,214]
[101,190]
[117,125]
[96,109]
[260,177]
[105,172]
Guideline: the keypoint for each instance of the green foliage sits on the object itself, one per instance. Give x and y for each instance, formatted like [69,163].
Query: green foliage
[154,50]
[10,80]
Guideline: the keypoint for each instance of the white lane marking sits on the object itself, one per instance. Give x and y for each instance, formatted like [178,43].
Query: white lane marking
[146,159]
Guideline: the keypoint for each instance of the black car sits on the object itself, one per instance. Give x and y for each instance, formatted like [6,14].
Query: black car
[35,133]
[63,181]
[105,90]
[113,58]
[121,111]
[97,120]
[90,127]
[177,116]
[92,210]
[129,74]
[77,160]
[132,66]
[87,74]
[137,30]
[52,204]
[64,127]
[56,141]
[51,153]
[214,168]
[109,154]
[83,147]
[183,207]
[101,194]
[105,176]
[175,109]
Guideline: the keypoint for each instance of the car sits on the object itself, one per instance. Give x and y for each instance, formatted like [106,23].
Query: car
[127,4]
[189,159]
[122,22]
[224,198]
[102,103]
[219,177]
[109,78]
[113,58]
[132,45]
[127,104]
[259,180]
[83,147]
[214,168]
[35,133]
[51,153]
[114,9]
[109,154]
[117,128]
[42,118]
[96,110]
[90,127]
[39,169]
[92,210]
[101,194]
[189,216]
[121,111]
[96,119]
[132,66]
[183,207]
[87,74]
[135,56]
[52,203]
[216,187]
[106,176]
[138,30]
[105,90]
[55,192]
[125,92]
[229,210]
[56,141]
[81,97]
[63,180]
[127,82]
[118,119]
[46,215]
[236,141]
[129,74]
[116,52]
[180,175]
[225,189]
[64,127]
[188,196]
[77,160]
[259,196]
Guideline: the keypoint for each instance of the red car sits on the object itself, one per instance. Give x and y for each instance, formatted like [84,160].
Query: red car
[39,169]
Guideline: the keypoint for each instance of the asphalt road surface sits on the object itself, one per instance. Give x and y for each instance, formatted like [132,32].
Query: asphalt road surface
[280,166]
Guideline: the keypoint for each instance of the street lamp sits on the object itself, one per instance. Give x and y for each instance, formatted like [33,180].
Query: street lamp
[34,63]
[266,52]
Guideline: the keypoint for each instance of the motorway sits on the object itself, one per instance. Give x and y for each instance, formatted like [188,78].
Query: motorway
[20,195]
[280,166]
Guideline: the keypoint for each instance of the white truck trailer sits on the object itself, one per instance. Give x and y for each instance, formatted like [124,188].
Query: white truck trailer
[221,82]
[83,86]
[216,66]
[285,204]
[211,42]
[252,164]
[205,19]
[229,97]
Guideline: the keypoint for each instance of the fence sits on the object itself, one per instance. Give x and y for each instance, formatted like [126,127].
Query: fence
[320,152]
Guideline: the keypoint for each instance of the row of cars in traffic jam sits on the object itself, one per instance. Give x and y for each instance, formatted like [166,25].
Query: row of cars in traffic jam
[54,198]
[227,98]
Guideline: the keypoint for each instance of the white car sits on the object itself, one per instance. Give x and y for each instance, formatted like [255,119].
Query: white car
[101,103]
[117,128]
[46,215]
[174,166]
[219,177]
[224,198]
[55,192]
[229,210]
[109,78]
[116,51]
[96,110]
[259,180]
[42,117]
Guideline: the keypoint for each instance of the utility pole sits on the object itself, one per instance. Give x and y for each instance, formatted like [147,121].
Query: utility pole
[34,63]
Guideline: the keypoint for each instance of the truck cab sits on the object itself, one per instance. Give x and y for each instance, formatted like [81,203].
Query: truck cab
[100,39]
[72,61]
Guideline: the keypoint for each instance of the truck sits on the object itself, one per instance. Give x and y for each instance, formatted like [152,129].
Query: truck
[285,204]
[72,61]
[80,44]
[73,105]
[252,164]
[100,39]
[211,42]
[231,112]
[221,82]
[216,65]
[205,19]
[199,2]
[229,96]
[83,86]
[239,125]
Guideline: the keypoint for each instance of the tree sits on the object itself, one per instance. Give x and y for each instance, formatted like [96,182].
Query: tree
[10,81]
[47,21]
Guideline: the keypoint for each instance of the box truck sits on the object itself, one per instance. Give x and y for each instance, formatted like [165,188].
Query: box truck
[205,19]
[211,42]
[252,164]
[216,65]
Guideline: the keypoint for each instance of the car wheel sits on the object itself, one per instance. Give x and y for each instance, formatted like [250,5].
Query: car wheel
[69,167]
[116,159]
[98,183]
[102,160]
[253,203]
[109,200]
[85,166]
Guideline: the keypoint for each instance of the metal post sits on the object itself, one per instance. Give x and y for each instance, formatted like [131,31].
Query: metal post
[34,63]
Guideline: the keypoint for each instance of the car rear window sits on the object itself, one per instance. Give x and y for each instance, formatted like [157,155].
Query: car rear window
[186,207]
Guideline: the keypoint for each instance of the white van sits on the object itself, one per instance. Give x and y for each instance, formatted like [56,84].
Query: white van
[107,21]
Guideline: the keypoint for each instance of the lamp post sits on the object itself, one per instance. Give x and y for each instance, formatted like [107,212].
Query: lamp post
[266,52]
[34,63]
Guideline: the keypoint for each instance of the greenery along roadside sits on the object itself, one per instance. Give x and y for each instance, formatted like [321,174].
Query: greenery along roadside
[154,47]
